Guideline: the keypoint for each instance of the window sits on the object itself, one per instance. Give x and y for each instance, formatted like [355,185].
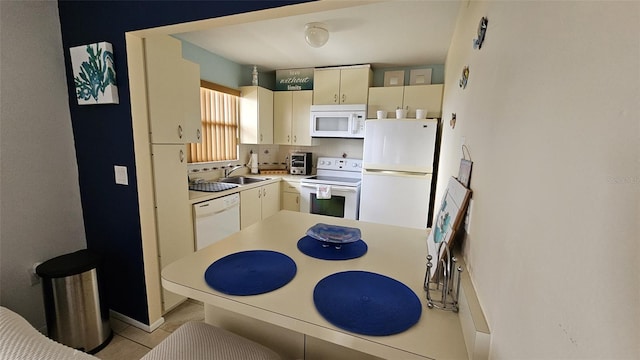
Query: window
[219,108]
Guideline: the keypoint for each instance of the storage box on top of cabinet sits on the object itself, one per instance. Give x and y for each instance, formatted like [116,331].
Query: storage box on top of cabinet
[342,85]
[256,115]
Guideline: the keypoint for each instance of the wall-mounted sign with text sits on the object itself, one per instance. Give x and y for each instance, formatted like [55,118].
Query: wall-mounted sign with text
[294,79]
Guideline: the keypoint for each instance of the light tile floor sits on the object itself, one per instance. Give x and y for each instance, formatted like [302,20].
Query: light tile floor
[131,343]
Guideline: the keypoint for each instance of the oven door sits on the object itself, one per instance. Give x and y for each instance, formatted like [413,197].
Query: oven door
[344,201]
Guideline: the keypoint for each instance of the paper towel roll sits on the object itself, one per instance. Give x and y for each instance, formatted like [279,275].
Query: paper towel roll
[254,163]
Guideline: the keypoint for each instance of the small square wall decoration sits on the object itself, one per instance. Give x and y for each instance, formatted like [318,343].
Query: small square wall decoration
[94,74]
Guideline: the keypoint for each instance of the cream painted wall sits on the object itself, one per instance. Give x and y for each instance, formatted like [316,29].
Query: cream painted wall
[40,210]
[551,118]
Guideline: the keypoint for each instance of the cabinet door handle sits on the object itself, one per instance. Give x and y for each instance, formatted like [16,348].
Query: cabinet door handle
[297,199]
[180,131]
[198,134]
[295,139]
[264,192]
[259,194]
[288,138]
[260,137]
[335,98]
[181,155]
[344,98]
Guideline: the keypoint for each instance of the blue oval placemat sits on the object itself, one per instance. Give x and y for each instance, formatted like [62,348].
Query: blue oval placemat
[250,272]
[313,247]
[367,303]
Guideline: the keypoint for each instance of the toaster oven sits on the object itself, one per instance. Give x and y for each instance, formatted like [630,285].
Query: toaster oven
[300,163]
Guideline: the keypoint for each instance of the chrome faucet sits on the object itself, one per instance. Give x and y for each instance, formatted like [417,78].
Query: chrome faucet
[228,171]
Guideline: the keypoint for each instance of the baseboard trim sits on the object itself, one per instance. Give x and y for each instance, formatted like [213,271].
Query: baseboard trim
[475,329]
[136,323]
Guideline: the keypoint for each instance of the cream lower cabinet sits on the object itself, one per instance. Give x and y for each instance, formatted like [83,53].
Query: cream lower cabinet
[342,85]
[256,115]
[291,121]
[413,97]
[290,195]
[259,203]
[173,211]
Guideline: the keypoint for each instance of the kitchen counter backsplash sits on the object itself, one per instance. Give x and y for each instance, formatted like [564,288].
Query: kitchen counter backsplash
[276,157]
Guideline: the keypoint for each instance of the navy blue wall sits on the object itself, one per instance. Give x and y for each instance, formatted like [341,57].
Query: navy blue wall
[103,135]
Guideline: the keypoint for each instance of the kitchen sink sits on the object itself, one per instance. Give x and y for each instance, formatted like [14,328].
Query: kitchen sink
[241,180]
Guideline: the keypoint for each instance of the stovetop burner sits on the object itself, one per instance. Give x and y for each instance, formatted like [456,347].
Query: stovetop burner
[336,171]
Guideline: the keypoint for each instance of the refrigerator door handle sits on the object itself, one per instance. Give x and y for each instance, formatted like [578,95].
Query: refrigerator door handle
[393,172]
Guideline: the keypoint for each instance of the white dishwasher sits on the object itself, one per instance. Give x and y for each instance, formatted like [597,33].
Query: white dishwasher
[216,219]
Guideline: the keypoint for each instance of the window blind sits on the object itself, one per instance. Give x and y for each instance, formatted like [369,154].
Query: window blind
[219,112]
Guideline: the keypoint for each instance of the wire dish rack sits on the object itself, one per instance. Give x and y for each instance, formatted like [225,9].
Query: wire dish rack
[211,186]
[445,275]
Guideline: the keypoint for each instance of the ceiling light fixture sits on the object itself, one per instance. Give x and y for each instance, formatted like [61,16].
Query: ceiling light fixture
[316,34]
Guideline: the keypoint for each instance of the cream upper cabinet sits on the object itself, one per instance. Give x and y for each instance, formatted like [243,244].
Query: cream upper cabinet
[344,85]
[427,97]
[326,86]
[282,115]
[259,203]
[191,97]
[413,97]
[173,88]
[354,85]
[173,211]
[256,115]
[384,98]
[291,110]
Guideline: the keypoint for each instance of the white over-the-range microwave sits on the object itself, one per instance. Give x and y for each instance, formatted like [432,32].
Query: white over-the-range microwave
[339,121]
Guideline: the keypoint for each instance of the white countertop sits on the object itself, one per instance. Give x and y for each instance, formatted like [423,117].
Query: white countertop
[199,196]
[397,252]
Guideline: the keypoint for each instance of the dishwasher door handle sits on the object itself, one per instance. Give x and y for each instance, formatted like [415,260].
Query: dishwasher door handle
[210,213]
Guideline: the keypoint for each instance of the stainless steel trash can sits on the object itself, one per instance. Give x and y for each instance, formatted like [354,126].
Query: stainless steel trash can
[76,315]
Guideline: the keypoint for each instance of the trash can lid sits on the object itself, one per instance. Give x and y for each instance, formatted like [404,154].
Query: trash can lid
[69,264]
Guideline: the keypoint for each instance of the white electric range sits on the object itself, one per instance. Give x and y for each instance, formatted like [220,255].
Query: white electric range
[334,190]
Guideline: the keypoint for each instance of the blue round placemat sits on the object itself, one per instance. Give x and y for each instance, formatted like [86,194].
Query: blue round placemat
[250,272]
[313,247]
[367,303]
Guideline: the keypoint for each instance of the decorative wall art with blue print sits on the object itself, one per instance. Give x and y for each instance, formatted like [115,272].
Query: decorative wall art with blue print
[94,74]
[448,220]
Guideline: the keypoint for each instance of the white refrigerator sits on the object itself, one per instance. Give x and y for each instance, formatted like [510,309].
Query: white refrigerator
[397,169]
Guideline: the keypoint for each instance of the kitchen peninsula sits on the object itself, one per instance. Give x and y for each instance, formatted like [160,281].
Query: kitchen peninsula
[396,252]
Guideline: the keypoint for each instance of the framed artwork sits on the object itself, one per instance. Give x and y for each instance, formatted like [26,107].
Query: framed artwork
[420,77]
[464,174]
[448,219]
[94,74]
[394,78]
